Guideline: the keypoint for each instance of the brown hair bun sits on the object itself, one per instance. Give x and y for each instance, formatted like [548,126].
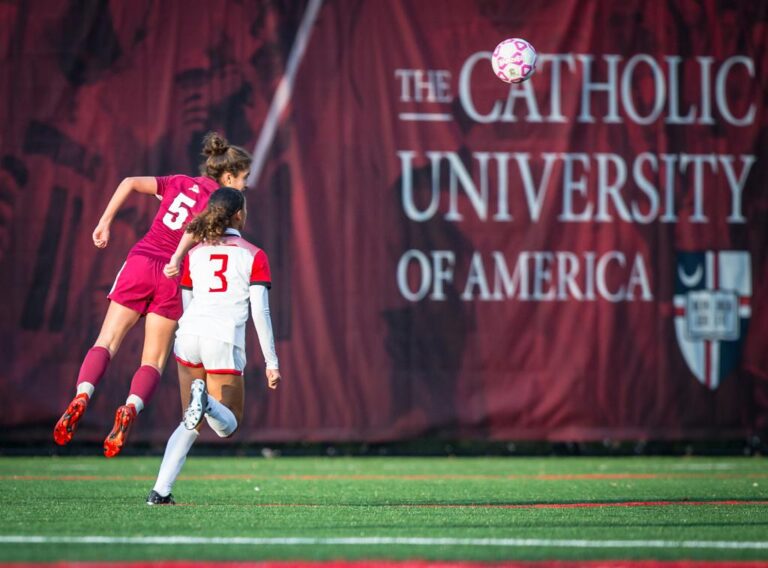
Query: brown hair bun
[214,144]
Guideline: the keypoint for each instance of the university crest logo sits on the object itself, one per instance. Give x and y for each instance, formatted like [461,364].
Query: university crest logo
[712,292]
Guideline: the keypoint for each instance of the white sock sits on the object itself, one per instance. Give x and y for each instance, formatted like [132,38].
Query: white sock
[175,455]
[220,418]
[136,401]
[86,388]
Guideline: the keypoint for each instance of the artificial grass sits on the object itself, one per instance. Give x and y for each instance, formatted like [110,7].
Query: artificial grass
[434,498]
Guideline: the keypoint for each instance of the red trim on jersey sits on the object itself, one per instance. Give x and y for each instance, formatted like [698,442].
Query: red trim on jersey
[188,364]
[186,277]
[223,371]
[260,268]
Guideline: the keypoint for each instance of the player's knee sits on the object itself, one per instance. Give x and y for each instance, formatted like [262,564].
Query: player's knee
[229,433]
[223,429]
[226,433]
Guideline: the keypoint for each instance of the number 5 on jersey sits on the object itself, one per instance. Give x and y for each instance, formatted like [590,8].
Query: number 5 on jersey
[178,212]
[223,259]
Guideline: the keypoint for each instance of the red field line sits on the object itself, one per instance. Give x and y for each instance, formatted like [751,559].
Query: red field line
[587,505]
[537,477]
[420,477]
[584,505]
[404,564]
[76,478]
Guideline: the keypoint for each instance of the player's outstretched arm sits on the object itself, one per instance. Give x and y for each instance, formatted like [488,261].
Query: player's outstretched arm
[146,185]
[173,268]
[262,321]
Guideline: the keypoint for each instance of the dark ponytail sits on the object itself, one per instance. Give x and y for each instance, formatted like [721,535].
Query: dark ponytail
[209,226]
[221,157]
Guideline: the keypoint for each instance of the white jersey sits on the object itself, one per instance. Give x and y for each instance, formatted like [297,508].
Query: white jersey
[225,278]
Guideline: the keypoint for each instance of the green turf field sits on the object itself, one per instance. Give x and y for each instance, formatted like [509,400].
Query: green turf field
[78,508]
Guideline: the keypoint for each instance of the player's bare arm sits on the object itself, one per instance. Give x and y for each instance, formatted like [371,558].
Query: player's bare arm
[143,184]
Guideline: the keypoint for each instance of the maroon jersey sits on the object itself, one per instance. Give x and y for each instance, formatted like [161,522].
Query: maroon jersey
[183,197]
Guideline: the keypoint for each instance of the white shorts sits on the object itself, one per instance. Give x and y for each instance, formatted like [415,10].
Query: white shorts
[216,357]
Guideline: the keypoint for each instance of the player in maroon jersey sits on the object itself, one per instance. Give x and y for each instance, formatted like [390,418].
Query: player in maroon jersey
[141,289]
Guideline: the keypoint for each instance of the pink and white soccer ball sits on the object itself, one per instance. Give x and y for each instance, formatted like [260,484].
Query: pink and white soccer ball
[514,60]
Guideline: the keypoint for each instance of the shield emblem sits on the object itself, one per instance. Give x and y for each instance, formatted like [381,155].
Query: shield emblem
[712,310]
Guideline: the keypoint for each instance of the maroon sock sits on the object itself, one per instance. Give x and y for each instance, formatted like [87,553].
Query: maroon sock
[94,365]
[145,382]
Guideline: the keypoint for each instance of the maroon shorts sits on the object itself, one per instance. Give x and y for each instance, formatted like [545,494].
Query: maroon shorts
[141,286]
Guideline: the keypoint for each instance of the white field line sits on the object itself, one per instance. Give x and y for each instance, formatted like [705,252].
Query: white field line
[384,540]
[702,467]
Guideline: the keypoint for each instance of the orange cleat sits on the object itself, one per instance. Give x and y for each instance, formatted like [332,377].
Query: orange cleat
[65,427]
[124,418]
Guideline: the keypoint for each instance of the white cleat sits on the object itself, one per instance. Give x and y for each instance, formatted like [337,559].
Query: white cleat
[198,404]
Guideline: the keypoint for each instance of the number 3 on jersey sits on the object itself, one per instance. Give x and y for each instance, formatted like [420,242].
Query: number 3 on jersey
[223,259]
[178,212]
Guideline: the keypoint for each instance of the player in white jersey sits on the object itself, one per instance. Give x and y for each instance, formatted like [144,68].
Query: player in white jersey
[224,275]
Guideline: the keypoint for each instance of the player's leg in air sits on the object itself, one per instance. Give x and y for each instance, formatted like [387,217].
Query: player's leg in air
[118,321]
[218,397]
[158,335]
[220,400]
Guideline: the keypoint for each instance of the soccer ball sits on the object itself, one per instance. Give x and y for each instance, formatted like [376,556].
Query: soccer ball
[514,60]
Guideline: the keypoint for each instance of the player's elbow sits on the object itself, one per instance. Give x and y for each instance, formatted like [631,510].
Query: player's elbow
[138,184]
[127,183]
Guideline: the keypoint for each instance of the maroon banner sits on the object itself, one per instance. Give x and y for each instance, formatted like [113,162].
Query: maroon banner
[578,257]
